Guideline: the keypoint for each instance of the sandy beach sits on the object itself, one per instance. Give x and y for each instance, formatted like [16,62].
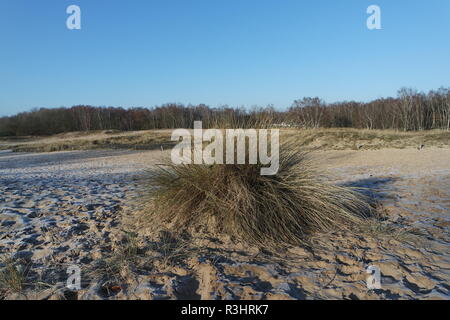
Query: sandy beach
[71,208]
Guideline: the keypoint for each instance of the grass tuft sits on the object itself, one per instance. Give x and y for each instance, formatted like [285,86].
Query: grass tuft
[236,200]
[13,276]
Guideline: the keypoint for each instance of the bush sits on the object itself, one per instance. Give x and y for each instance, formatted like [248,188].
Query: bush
[236,200]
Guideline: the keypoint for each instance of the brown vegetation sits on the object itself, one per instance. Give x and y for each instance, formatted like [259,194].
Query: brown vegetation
[264,210]
[324,139]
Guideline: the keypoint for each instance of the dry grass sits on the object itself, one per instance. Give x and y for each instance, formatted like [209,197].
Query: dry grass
[13,276]
[142,140]
[356,139]
[138,256]
[114,266]
[382,230]
[325,139]
[171,250]
[236,200]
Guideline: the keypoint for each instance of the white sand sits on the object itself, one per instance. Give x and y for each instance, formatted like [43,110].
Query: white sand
[65,208]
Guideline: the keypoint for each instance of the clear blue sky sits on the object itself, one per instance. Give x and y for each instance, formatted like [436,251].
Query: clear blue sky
[235,52]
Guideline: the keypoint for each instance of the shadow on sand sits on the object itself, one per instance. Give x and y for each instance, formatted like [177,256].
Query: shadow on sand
[375,188]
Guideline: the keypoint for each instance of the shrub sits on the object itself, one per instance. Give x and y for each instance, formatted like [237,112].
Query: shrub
[236,200]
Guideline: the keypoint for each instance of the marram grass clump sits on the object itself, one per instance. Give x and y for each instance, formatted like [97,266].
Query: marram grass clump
[268,211]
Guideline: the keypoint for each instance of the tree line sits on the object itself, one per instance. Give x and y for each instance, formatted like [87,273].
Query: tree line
[410,110]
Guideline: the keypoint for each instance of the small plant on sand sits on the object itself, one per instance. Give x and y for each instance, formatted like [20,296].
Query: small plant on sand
[268,211]
[13,276]
[171,250]
[379,229]
[116,264]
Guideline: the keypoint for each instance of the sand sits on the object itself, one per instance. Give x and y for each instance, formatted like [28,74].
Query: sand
[73,208]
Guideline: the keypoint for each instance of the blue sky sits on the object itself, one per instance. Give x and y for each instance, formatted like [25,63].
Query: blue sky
[235,52]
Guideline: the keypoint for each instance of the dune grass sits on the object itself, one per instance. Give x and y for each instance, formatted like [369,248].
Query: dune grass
[360,139]
[140,140]
[236,200]
[13,276]
[324,139]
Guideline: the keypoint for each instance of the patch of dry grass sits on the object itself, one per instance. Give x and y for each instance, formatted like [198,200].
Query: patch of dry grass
[114,266]
[325,139]
[171,249]
[383,230]
[142,140]
[13,276]
[19,278]
[236,200]
[356,139]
